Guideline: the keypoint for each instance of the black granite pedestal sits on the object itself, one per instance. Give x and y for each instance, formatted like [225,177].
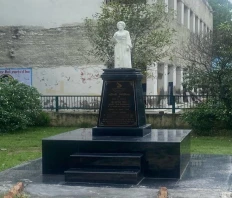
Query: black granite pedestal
[83,157]
[122,109]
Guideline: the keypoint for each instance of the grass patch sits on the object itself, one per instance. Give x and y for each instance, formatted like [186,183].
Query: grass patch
[21,146]
[211,145]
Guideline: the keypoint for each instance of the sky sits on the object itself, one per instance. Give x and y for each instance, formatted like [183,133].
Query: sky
[46,13]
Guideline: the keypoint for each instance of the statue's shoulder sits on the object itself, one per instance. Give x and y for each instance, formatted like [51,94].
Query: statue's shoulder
[127,32]
[115,34]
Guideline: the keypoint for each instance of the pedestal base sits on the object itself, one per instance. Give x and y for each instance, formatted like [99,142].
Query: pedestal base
[81,156]
[122,131]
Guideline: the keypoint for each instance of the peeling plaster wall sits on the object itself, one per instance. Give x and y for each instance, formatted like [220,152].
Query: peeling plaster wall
[68,80]
[39,47]
[57,56]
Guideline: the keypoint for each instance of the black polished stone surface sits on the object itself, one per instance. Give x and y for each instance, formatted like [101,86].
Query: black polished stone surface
[122,109]
[106,160]
[122,131]
[124,176]
[166,152]
[105,168]
[207,176]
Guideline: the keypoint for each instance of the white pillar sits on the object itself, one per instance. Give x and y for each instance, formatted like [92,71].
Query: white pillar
[166,5]
[152,80]
[188,20]
[166,84]
[180,12]
[175,6]
[199,25]
[172,4]
[181,80]
[206,29]
[165,79]
[174,79]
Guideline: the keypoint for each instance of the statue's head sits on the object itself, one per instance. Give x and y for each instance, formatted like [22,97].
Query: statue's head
[121,25]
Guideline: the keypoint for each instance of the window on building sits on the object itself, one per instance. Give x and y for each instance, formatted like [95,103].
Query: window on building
[171,4]
[186,16]
[179,11]
[192,21]
[196,24]
[201,26]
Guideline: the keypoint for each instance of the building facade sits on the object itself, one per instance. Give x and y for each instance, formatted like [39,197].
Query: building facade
[46,36]
[190,17]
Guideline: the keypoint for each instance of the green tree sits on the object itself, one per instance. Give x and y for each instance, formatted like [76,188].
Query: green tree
[209,67]
[221,11]
[19,105]
[148,24]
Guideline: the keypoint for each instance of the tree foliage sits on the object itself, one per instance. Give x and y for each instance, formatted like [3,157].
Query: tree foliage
[148,24]
[221,11]
[19,105]
[209,64]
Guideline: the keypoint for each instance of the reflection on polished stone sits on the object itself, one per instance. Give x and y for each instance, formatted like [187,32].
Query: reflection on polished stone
[157,135]
[203,172]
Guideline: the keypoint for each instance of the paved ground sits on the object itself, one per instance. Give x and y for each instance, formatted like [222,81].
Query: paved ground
[207,176]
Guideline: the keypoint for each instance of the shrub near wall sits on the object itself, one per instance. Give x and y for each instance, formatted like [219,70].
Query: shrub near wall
[208,118]
[19,105]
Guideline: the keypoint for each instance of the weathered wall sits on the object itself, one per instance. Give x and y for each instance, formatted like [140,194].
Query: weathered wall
[68,80]
[57,56]
[165,121]
[39,47]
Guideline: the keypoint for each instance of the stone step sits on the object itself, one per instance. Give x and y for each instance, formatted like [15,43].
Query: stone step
[100,175]
[106,160]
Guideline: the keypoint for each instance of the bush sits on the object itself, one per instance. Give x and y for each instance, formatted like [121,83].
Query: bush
[207,118]
[19,105]
[42,119]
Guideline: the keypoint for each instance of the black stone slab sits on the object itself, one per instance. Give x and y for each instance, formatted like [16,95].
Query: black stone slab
[106,160]
[122,109]
[122,131]
[125,176]
[166,152]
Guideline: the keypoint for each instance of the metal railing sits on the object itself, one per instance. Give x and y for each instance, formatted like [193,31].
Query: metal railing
[159,102]
[70,102]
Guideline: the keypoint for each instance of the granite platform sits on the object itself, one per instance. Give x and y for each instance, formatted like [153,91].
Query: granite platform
[160,154]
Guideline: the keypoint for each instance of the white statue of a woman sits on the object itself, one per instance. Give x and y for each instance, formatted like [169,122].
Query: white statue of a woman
[122,50]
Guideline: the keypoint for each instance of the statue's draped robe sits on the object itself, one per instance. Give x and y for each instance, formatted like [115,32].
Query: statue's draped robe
[122,50]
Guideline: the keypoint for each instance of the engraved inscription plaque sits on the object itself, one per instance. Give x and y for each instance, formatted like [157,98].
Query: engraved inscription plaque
[118,108]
